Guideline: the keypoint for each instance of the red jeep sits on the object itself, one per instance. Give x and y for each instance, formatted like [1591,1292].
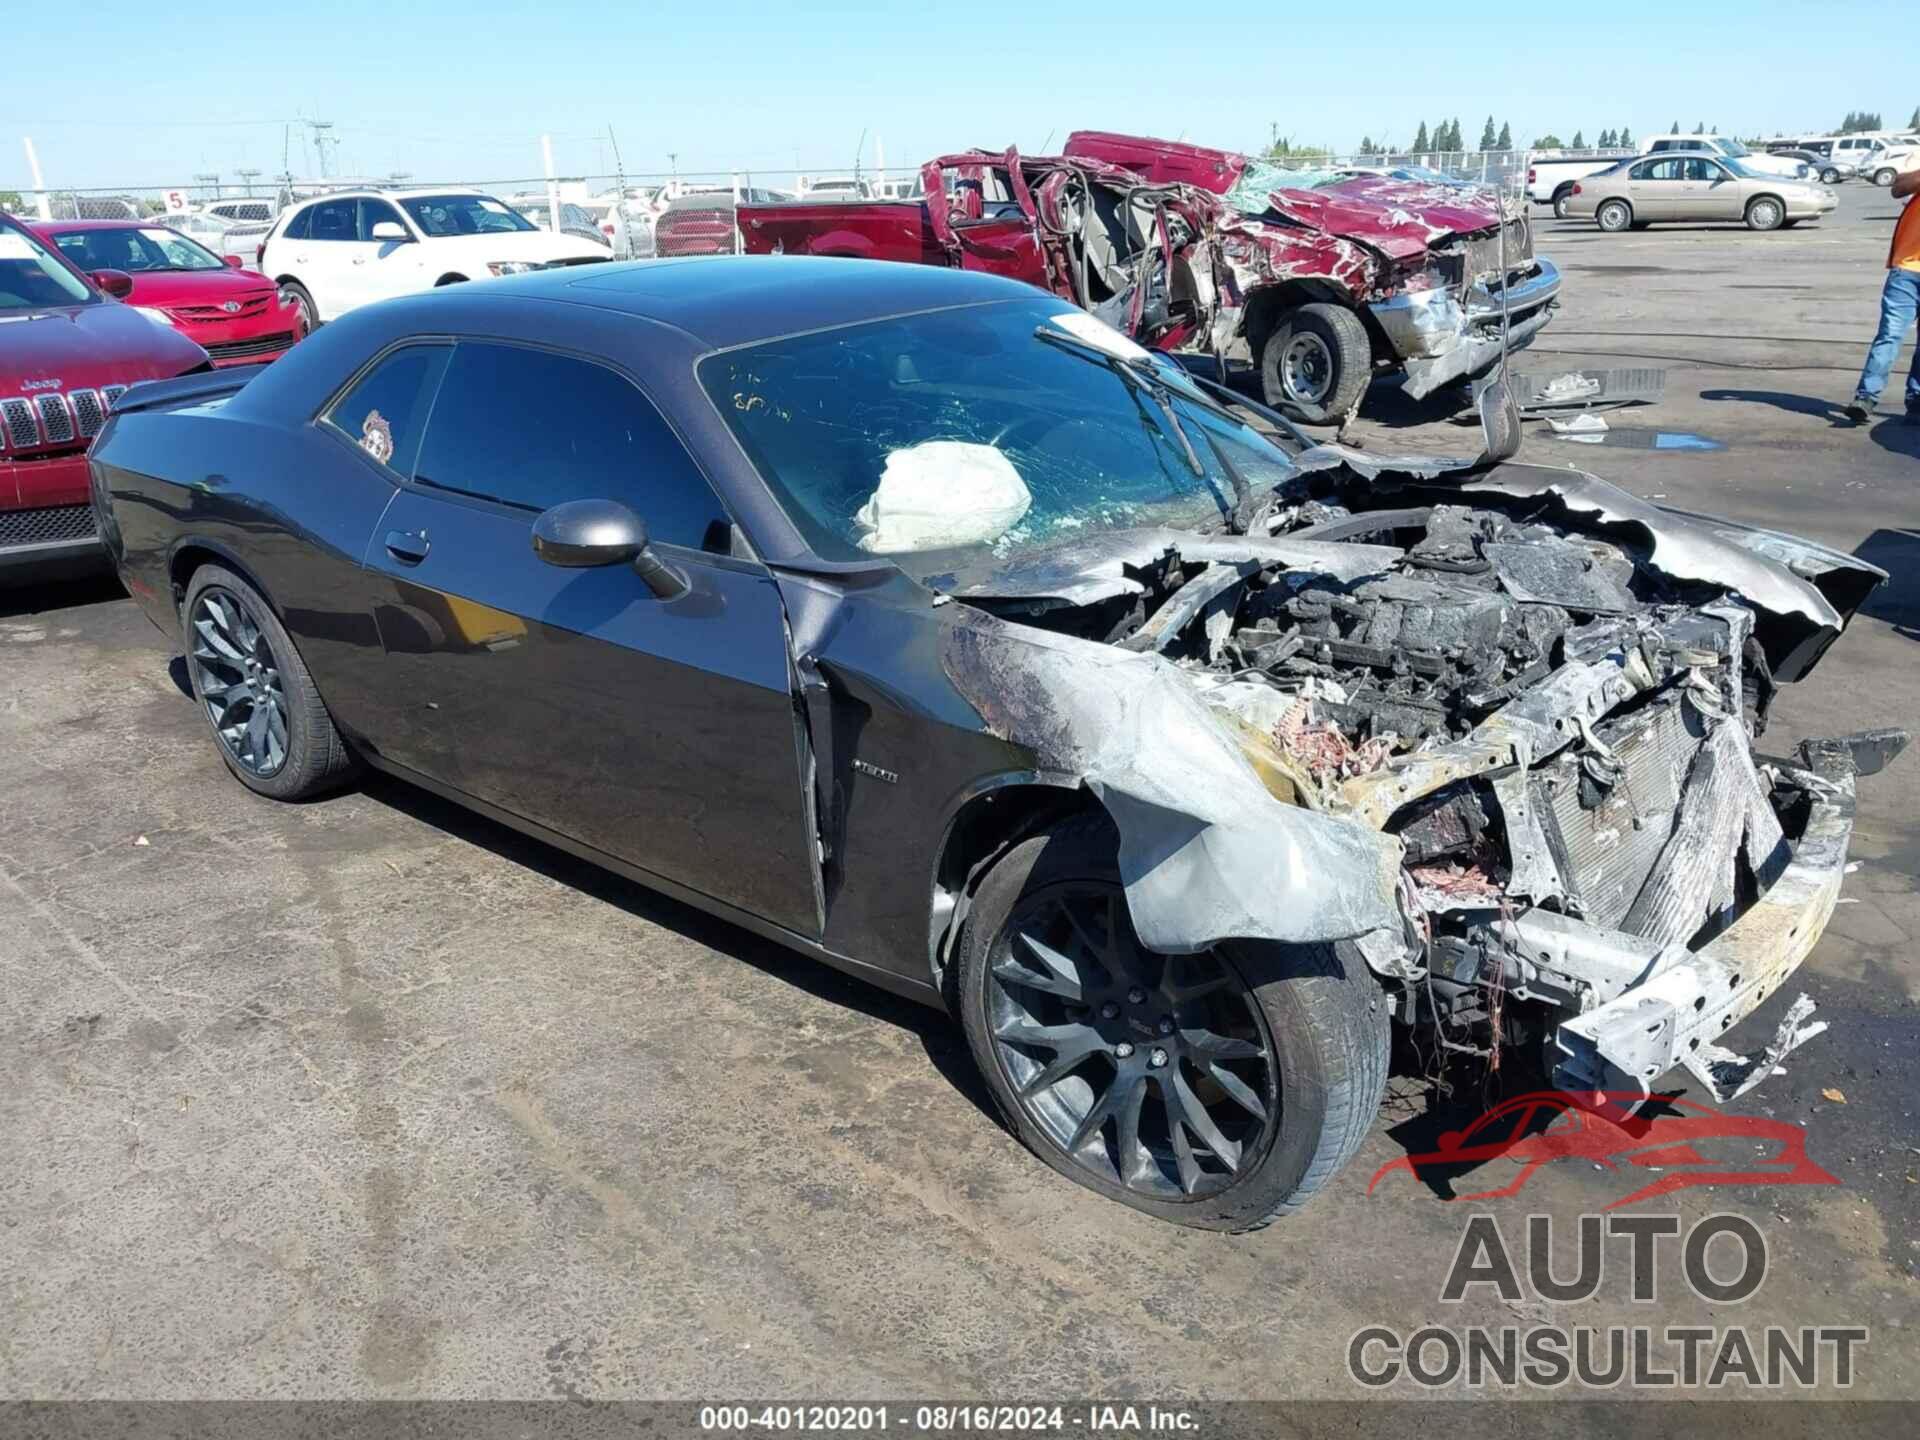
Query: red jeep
[67,350]
[1187,248]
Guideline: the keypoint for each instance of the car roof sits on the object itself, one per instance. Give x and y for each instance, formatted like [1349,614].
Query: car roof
[726,300]
[156,223]
[421,194]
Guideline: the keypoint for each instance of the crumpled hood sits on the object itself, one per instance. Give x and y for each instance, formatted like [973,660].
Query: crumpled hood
[1402,218]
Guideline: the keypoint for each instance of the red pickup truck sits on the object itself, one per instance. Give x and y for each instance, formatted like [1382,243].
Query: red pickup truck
[1187,248]
[67,351]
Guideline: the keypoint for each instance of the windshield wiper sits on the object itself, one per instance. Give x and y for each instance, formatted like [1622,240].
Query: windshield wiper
[1139,382]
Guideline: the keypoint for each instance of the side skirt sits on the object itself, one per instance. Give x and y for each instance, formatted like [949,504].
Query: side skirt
[905,986]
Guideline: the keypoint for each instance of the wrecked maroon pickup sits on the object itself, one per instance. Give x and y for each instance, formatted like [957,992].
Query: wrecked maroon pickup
[1190,249]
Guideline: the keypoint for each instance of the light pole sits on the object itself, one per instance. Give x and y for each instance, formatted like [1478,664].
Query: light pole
[248,174]
[210,178]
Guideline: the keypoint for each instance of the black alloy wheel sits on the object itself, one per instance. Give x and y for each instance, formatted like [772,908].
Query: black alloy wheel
[237,677]
[1153,1072]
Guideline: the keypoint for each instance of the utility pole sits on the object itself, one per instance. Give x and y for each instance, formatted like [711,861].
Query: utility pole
[42,203]
[248,174]
[322,138]
[210,177]
[553,185]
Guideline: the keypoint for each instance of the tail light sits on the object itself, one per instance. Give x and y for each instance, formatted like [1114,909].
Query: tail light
[260,253]
[1531,176]
[1576,188]
[606,228]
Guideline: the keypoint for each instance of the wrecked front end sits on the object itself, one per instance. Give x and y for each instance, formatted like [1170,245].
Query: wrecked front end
[1444,320]
[1497,728]
[1444,269]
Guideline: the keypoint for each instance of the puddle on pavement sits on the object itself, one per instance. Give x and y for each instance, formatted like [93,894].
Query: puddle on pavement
[1626,438]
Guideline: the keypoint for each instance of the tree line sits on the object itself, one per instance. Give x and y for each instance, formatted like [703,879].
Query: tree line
[1446,137]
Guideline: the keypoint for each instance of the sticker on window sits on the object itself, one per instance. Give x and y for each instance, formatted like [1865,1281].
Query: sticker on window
[376,436]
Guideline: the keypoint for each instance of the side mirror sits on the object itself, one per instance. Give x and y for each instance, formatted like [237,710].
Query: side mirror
[116,283]
[583,534]
[235,261]
[389,230]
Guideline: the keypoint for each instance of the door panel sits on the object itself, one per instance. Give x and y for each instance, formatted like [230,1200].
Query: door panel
[661,733]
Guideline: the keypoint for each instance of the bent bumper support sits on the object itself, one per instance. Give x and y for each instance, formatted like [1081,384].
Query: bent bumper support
[1440,337]
[1676,1014]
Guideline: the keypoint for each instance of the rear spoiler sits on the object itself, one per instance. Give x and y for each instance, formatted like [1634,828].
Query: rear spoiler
[193,389]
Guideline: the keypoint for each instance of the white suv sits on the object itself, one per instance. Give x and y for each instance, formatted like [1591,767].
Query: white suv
[336,252]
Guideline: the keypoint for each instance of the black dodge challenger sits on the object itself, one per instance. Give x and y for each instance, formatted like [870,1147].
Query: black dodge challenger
[921,622]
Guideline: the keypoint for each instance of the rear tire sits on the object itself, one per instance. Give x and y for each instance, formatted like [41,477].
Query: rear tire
[1829,176]
[1316,364]
[1765,213]
[1885,176]
[1613,216]
[268,721]
[1562,201]
[1314,1013]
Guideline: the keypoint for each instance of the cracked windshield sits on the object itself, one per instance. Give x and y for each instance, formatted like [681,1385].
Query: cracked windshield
[995,429]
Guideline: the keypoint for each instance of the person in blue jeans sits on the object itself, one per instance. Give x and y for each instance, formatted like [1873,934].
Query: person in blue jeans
[1899,303]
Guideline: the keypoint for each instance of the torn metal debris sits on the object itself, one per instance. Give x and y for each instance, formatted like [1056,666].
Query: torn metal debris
[1511,707]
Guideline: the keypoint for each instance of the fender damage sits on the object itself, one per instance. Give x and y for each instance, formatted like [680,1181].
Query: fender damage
[1493,724]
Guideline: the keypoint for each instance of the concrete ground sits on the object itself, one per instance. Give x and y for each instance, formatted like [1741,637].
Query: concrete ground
[372,1098]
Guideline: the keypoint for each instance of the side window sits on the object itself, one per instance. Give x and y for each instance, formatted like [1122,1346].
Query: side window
[331,220]
[372,212]
[1704,170]
[297,226]
[386,411]
[532,429]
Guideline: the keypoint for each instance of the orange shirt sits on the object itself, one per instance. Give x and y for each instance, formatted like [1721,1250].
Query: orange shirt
[1905,252]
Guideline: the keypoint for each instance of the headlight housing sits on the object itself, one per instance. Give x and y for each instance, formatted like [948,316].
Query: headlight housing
[512,267]
[159,317]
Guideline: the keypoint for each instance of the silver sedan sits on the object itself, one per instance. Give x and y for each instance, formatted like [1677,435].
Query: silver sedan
[1672,187]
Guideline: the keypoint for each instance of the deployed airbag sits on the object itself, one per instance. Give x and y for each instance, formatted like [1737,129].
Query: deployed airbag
[941,494]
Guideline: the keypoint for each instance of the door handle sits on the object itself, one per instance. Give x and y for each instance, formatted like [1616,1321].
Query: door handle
[359,259]
[409,547]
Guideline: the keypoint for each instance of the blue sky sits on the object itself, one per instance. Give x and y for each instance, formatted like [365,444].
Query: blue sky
[463,89]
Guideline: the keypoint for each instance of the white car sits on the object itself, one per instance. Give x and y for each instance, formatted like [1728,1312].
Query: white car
[837,187]
[1732,149]
[335,252]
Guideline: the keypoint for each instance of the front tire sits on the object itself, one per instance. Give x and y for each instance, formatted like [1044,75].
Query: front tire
[302,300]
[1562,202]
[1829,176]
[1219,1090]
[268,722]
[1316,364]
[1613,216]
[1765,213]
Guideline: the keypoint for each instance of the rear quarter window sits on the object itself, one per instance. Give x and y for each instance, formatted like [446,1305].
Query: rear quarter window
[385,410]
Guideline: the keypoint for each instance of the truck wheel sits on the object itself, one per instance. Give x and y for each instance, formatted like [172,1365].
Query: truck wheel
[1613,216]
[266,715]
[1562,201]
[1765,213]
[1316,363]
[1217,1090]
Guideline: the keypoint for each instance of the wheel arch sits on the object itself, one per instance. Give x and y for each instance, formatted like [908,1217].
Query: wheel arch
[191,553]
[452,277]
[1753,200]
[993,815]
[1267,305]
[1565,187]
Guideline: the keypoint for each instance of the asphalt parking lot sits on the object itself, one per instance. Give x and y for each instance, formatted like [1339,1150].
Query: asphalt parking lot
[373,1098]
